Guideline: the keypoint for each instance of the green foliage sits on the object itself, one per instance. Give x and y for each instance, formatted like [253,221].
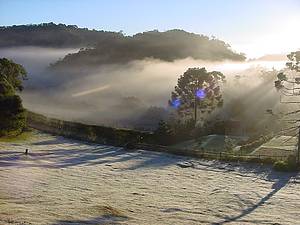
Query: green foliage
[183,130]
[294,65]
[102,47]
[13,116]
[6,89]
[280,165]
[285,166]
[174,131]
[294,61]
[51,35]
[114,47]
[189,84]
[11,75]
[229,144]
[163,134]
[24,136]
[167,46]
[12,113]
[282,77]
[289,165]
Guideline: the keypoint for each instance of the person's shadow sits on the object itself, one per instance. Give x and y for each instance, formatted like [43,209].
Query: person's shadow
[277,186]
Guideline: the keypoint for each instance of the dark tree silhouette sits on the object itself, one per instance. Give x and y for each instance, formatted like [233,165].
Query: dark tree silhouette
[12,113]
[288,84]
[167,46]
[196,90]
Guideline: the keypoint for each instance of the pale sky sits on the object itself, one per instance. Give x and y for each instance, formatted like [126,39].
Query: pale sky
[255,27]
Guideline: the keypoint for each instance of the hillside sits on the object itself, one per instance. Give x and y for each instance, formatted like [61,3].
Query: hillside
[51,35]
[102,47]
[167,46]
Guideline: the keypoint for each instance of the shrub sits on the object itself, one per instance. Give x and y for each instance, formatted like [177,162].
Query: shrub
[12,114]
[286,166]
[267,160]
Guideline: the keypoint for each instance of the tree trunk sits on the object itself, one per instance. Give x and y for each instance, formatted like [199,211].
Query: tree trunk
[195,109]
[298,150]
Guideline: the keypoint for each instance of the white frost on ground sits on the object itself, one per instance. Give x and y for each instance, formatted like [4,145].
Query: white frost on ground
[64,181]
[278,146]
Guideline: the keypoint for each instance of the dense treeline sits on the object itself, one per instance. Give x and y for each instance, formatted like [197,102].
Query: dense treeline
[101,47]
[51,35]
[12,113]
[167,46]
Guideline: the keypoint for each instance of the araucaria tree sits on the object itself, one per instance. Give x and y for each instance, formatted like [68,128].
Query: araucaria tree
[288,83]
[12,113]
[197,91]
[284,79]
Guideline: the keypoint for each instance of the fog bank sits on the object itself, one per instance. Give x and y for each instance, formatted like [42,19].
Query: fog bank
[120,95]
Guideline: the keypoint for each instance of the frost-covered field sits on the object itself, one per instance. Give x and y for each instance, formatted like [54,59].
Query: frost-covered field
[64,181]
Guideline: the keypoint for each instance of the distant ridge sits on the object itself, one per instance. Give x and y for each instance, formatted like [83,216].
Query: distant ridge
[102,47]
[273,57]
[51,35]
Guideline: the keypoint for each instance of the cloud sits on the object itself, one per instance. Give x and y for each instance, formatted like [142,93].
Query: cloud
[118,95]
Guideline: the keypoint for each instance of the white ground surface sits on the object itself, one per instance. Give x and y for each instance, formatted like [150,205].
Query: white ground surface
[278,146]
[64,181]
[210,143]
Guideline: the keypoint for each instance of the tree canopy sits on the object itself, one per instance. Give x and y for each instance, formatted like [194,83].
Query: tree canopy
[288,83]
[197,89]
[12,74]
[284,78]
[51,35]
[105,47]
[168,46]
[12,113]
[294,61]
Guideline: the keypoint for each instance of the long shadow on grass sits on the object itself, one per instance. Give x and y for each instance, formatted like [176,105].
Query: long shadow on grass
[281,181]
[55,141]
[111,155]
[62,158]
[95,221]
[148,159]
[81,154]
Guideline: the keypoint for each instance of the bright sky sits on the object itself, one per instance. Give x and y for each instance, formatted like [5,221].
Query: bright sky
[255,27]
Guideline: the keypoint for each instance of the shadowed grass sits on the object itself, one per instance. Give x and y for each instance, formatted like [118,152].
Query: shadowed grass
[25,136]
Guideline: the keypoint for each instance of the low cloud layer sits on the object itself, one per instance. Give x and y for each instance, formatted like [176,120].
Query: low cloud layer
[119,94]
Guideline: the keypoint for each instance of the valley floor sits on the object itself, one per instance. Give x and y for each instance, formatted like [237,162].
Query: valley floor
[63,181]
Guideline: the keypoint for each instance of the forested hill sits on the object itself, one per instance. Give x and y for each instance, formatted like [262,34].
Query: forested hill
[51,35]
[101,47]
[167,46]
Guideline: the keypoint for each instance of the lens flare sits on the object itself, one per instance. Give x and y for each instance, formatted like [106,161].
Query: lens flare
[200,93]
[176,103]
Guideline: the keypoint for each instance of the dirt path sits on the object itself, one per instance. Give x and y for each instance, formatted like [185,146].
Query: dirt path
[63,181]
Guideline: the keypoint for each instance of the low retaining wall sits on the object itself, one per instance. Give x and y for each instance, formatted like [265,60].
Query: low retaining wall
[120,137]
[92,133]
[223,156]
